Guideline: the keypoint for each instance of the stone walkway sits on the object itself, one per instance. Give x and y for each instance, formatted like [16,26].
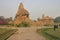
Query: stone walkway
[26,34]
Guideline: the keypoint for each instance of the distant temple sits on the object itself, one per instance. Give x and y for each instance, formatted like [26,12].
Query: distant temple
[22,15]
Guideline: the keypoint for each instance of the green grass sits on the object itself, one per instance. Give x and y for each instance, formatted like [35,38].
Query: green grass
[55,33]
[50,34]
[41,32]
[2,30]
[5,33]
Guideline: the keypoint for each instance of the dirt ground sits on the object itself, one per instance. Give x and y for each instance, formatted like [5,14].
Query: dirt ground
[26,34]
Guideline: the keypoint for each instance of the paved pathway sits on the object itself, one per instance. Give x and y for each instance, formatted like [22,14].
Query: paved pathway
[26,34]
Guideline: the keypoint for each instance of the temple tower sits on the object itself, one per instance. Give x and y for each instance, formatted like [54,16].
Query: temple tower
[21,15]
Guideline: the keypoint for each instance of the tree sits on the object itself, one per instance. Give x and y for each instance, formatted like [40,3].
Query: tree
[3,21]
[2,18]
[57,19]
[9,19]
[23,24]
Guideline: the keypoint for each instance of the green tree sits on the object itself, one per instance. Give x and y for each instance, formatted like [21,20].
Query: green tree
[9,19]
[23,24]
[57,19]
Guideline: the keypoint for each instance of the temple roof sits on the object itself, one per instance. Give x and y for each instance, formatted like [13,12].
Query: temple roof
[21,6]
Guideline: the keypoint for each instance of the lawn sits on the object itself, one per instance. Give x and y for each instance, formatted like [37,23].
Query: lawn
[50,34]
[6,33]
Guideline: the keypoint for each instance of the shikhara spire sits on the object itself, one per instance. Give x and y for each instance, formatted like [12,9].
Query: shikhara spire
[21,6]
[21,15]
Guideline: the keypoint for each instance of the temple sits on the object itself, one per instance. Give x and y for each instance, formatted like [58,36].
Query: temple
[22,15]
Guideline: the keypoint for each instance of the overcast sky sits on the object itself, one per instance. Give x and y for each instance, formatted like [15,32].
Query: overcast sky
[36,8]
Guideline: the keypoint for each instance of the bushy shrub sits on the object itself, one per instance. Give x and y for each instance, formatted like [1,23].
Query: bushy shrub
[11,24]
[46,25]
[23,24]
[18,25]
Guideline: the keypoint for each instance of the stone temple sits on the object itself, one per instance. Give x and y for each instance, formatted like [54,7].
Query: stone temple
[22,15]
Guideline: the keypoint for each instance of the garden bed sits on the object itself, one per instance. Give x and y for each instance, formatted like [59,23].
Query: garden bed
[5,33]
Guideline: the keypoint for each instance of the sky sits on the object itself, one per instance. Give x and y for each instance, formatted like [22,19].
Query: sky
[8,8]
